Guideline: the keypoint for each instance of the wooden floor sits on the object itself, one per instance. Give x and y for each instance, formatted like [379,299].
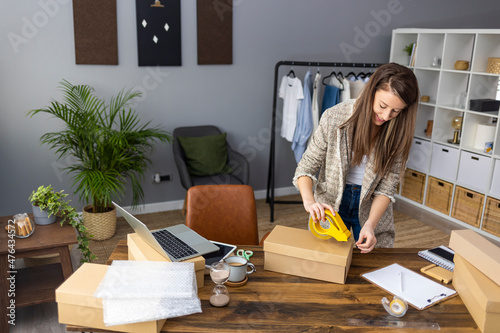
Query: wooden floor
[43,318]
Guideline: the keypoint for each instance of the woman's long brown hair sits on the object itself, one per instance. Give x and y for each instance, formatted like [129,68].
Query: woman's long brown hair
[396,135]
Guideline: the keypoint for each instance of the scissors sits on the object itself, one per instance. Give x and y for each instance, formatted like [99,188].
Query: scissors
[247,254]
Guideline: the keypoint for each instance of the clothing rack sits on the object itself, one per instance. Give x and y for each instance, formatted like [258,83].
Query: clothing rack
[270,177]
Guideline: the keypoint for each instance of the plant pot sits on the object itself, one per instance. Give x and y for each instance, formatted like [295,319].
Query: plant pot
[101,225]
[42,216]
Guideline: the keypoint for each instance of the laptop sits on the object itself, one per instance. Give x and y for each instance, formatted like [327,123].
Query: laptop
[175,243]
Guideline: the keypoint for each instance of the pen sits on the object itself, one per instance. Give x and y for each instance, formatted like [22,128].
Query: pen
[401,281]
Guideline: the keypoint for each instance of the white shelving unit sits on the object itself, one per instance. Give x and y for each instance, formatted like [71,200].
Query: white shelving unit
[450,91]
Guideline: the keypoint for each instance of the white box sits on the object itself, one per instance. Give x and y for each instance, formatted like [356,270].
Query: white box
[474,170]
[444,164]
[420,155]
[495,182]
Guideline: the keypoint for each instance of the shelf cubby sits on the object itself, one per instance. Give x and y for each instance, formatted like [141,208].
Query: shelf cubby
[487,45]
[429,45]
[457,47]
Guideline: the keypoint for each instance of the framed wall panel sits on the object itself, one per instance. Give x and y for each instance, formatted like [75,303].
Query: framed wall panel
[159,32]
[95,30]
[215,32]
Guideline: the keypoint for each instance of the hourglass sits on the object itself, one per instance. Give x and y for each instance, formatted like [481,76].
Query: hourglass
[219,273]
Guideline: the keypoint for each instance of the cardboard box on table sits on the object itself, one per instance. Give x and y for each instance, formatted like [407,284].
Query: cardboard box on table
[139,250]
[478,251]
[77,305]
[298,252]
[479,293]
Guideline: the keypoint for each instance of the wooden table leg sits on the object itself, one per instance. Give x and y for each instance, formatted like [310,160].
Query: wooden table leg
[67,268]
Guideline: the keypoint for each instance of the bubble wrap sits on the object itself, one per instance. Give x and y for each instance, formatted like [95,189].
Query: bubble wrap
[137,291]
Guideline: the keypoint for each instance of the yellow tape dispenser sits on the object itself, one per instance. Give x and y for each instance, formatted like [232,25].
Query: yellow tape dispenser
[333,227]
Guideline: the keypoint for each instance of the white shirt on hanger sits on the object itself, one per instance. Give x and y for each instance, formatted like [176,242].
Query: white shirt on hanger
[315,101]
[345,94]
[292,93]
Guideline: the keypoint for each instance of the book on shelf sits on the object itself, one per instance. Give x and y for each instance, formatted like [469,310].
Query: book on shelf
[441,256]
[412,56]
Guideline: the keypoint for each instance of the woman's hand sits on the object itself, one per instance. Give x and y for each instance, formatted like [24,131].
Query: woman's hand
[367,239]
[317,210]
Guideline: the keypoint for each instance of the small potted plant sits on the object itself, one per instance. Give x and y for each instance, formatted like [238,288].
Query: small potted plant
[45,203]
[53,203]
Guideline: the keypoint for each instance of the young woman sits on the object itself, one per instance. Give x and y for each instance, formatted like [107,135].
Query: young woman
[360,150]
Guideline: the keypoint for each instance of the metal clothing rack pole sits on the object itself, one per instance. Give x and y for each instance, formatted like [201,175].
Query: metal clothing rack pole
[270,177]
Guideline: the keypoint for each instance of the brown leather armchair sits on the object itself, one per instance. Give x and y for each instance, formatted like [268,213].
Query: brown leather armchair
[223,213]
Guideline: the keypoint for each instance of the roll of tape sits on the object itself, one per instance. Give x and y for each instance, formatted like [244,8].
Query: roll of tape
[397,307]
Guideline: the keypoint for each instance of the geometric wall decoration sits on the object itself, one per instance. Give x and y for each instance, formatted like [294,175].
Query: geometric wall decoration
[159,32]
[94,23]
[214,32]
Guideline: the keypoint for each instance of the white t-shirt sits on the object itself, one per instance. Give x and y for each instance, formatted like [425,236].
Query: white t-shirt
[356,173]
[292,93]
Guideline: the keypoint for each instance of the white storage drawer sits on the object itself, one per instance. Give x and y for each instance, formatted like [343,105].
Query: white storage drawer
[495,182]
[474,171]
[444,163]
[420,155]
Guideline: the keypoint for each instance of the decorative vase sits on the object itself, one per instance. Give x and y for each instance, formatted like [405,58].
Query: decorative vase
[42,216]
[101,225]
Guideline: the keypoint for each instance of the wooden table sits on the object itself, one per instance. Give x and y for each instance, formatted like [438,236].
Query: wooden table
[33,285]
[285,303]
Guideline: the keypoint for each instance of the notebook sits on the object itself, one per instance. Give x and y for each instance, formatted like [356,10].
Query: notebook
[441,256]
[175,243]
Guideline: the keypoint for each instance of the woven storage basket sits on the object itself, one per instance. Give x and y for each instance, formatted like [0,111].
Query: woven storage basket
[467,206]
[439,195]
[493,65]
[491,221]
[413,185]
[461,65]
[101,225]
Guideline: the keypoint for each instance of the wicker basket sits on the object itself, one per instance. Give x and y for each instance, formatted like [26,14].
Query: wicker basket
[467,206]
[439,195]
[413,185]
[493,65]
[491,221]
[101,225]
[461,65]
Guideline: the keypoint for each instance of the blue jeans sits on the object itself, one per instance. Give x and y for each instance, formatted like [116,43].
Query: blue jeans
[349,209]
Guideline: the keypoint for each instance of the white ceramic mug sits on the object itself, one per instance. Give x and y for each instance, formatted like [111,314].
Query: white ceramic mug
[239,268]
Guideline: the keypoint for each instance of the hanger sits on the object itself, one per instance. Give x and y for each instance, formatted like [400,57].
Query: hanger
[353,74]
[291,73]
[333,74]
[329,76]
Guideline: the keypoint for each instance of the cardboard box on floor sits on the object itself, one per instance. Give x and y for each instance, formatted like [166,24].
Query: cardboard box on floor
[139,250]
[478,251]
[479,293]
[76,304]
[298,252]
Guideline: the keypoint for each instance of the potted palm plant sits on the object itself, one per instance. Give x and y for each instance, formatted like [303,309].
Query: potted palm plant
[53,203]
[110,146]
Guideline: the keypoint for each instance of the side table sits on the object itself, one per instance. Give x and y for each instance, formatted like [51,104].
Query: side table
[33,285]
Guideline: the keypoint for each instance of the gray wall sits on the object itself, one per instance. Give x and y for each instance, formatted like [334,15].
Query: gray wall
[237,98]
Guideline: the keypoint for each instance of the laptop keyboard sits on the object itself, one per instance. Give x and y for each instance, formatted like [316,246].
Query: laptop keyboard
[173,245]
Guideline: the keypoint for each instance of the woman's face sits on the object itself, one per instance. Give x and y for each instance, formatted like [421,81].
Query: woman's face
[386,105]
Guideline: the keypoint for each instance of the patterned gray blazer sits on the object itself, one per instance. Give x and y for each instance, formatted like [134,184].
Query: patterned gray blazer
[328,151]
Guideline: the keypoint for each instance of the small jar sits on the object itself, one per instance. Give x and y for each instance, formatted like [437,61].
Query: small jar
[23,225]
